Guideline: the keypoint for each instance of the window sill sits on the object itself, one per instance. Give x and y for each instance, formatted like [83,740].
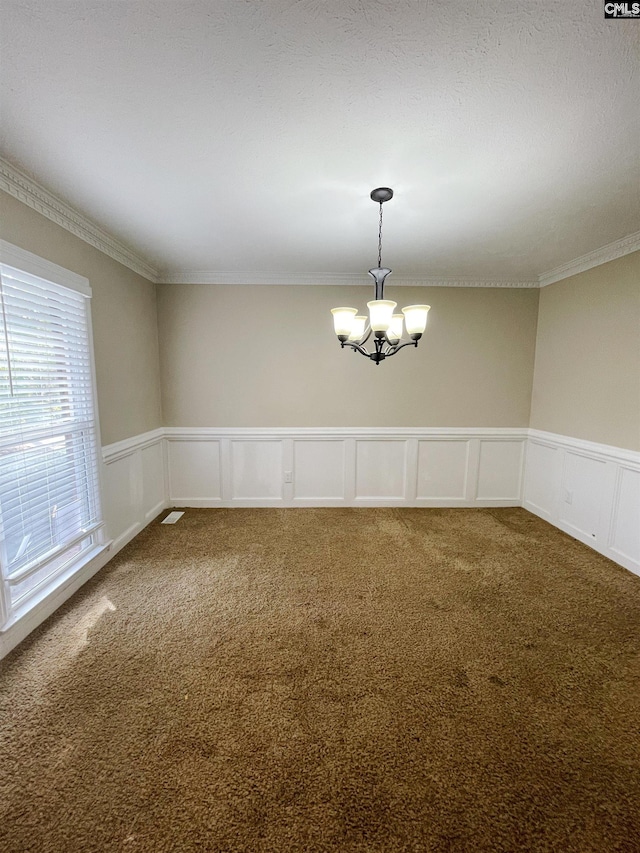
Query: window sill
[51,596]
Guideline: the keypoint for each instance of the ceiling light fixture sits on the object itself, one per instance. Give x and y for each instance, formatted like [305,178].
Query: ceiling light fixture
[352,328]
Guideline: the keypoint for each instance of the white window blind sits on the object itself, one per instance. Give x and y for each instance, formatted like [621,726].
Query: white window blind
[49,493]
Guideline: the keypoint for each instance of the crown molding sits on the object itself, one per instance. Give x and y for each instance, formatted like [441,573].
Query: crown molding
[603,255]
[257,277]
[323,278]
[30,192]
[25,189]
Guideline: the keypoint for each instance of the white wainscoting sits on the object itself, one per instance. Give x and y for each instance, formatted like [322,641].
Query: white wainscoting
[589,490]
[345,467]
[133,484]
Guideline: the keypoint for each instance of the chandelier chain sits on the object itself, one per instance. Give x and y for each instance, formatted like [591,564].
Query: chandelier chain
[380,239]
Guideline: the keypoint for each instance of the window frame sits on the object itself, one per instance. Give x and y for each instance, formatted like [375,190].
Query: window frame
[27,262]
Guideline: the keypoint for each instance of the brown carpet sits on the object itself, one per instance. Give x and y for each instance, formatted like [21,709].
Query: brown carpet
[331,680]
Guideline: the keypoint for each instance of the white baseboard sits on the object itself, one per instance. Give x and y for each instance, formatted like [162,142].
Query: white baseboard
[125,537]
[590,491]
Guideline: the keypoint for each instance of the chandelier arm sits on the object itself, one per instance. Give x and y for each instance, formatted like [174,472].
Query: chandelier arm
[366,337]
[393,347]
[357,347]
[402,346]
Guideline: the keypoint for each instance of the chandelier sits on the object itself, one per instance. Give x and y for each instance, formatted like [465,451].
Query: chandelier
[352,328]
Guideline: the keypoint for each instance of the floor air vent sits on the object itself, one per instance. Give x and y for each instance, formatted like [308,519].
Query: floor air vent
[172,518]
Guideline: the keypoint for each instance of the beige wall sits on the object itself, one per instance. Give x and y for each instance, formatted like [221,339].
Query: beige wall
[248,356]
[123,308]
[587,369]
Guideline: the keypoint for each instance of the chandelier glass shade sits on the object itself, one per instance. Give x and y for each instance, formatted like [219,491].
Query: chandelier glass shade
[354,330]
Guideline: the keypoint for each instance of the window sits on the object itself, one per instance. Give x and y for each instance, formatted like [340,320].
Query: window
[50,515]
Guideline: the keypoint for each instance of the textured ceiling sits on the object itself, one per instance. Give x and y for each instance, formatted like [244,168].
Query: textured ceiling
[245,135]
